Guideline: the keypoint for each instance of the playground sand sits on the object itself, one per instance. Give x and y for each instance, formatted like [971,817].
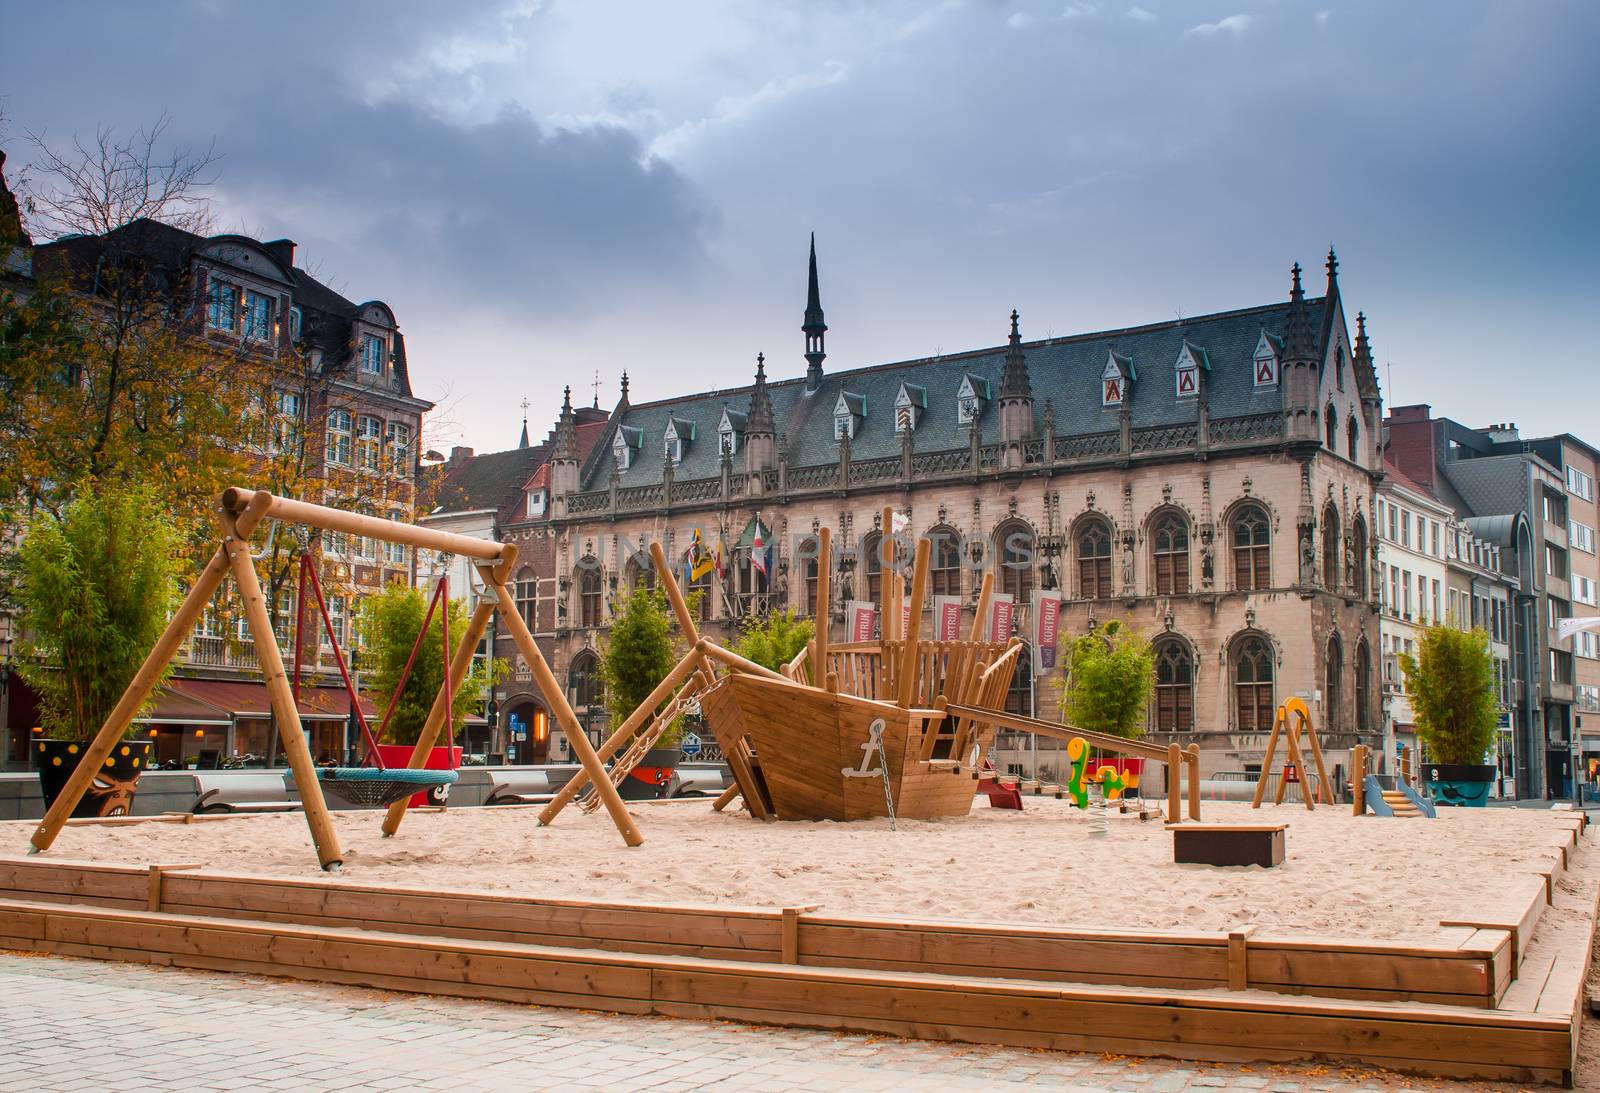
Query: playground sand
[1344,876]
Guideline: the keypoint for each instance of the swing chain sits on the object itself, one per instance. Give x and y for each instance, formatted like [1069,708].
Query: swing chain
[888,798]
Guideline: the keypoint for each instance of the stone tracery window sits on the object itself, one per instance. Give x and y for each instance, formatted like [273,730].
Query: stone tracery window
[1252,549]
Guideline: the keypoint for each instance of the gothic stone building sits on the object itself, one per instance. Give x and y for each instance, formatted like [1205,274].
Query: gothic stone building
[1209,480]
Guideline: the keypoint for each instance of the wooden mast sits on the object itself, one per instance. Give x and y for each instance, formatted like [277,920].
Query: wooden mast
[819,641]
[980,621]
[913,634]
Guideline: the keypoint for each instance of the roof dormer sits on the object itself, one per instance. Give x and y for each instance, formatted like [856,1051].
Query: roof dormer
[730,431]
[675,441]
[1191,358]
[848,412]
[1268,353]
[909,404]
[625,445]
[1116,379]
[970,398]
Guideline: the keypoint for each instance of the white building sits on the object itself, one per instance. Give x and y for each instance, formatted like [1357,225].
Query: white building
[1414,531]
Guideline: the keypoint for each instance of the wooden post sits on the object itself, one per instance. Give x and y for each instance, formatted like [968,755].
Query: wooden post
[1174,784]
[1266,760]
[791,932]
[913,634]
[139,688]
[619,739]
[545,680]
[980,621]
[1239,958]
[236,500]
[889,590]
[1194,782]
[1315,747]
[819,643]
[460,665]
[1358,780]
[281,696]
[1405,763]
[680,606]
[726,798]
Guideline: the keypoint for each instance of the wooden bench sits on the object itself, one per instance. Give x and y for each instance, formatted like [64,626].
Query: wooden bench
[1228,844]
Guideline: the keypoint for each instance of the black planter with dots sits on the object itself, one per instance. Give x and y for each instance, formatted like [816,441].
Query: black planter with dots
[111,792]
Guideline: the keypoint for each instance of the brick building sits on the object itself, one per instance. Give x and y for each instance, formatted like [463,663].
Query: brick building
[338,423]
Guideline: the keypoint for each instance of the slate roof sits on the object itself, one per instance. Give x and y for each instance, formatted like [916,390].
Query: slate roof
[489,481]
[326,316]
[1491,485]
[1064,370]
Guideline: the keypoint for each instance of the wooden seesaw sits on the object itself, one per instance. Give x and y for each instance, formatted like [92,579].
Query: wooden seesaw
[240,512]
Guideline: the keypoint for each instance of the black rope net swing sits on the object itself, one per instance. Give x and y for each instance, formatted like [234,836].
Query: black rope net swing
[377,784]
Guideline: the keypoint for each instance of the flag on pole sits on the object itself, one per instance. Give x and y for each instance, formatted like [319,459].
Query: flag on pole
[898,522]
[721,556]
[758,550]
[1565,628]
[700,560]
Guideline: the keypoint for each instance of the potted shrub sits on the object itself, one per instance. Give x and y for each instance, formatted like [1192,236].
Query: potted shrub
[1451,686]
[95,585]
[389,626]
[1109,677]
[637,657]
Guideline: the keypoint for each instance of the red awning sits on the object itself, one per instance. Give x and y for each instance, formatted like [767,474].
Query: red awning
[242,699]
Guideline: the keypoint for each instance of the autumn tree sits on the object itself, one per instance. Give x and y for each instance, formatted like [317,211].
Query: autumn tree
[105,378]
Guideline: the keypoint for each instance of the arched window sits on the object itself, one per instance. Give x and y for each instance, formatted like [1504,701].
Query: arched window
[1352,434]
[641,573]
[944,574]
[1363,687]
[1333,685]
[1093,543]
[693,585]
[1169,547]
[1252,685]
[583,680]
[808,552]
[1331,553]
[1013,550]
[1332,422]
[527,592]
[1358,550]
[872,565]
[1174,686]
[590,597]
[1019,699]
[1252,549]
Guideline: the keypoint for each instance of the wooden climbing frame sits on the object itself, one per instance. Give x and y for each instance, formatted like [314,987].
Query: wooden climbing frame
[1293,717]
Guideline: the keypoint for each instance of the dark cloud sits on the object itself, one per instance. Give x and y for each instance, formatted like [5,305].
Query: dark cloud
[544,190]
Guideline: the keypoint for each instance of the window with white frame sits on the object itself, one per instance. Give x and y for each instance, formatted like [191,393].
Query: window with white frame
[1580,484]
[395,553]
[258,307]
[369,442]
[374,353]
[1583,589]
[222,307]
[1580,536]
[1433,539]
[1434,600]
[339,438]
[1394,523]
[398,441]
[1405,528]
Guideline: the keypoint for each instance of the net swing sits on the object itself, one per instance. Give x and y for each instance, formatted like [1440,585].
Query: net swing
[375,784]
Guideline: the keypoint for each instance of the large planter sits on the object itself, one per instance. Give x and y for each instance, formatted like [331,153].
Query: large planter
[1463,784]
[650,780]
[399,755]
[111,792]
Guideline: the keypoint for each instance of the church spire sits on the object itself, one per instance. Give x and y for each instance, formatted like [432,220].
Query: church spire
[523,443]
[814,328]
[1016,398]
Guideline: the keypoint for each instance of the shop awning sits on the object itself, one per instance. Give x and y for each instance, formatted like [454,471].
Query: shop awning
[246,699]
[173,706]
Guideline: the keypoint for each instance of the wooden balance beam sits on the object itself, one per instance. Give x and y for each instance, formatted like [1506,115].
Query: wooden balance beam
[1175,758]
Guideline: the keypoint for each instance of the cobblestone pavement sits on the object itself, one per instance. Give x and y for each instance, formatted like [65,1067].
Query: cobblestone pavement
[87,1025]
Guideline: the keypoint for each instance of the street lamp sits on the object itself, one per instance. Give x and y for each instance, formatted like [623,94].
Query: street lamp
[5,701]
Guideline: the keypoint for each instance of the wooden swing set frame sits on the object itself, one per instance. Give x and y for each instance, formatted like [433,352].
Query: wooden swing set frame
[240,513]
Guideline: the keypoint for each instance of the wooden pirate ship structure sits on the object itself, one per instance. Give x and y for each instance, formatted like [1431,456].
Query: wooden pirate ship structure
[844,732]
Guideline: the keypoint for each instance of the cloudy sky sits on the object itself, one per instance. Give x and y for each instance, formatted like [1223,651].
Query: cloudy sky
[547,190]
